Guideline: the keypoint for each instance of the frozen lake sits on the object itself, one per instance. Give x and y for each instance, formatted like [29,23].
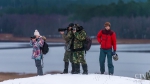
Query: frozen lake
[129,63]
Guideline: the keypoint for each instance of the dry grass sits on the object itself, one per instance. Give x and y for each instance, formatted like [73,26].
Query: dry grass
[58,40]
[129,41]
[7,76]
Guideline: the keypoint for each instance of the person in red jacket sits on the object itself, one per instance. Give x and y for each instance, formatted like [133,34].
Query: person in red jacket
[107,40]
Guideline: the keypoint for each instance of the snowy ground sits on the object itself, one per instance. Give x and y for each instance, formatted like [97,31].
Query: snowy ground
[76,79]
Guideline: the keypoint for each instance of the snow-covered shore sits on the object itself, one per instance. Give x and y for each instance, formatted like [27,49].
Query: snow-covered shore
[76,79]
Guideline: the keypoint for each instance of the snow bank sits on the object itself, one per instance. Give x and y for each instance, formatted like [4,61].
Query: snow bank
[76,79]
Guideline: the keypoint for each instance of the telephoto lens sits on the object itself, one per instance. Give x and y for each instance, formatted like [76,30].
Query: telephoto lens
[62,29]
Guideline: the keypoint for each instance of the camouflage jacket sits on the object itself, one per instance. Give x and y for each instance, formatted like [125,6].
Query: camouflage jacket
[79,39]
[68,38]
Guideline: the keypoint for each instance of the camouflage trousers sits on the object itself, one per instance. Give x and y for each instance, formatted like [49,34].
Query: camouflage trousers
[68,57]
[78,57]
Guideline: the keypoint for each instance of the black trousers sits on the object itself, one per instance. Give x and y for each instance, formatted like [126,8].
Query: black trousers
[39,67]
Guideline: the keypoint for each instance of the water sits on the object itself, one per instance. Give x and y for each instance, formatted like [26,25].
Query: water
[129,63]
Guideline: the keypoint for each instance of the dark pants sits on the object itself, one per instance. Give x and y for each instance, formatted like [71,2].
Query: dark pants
[39,67]
[102,58]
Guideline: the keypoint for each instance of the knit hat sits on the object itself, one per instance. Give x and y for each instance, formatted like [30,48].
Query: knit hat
[36,33]
[107,24]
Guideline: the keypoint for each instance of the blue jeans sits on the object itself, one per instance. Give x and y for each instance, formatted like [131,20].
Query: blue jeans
[102,59]
[39,67]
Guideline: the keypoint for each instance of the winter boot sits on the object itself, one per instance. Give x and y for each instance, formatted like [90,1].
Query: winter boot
[73,68]
[110,74]
[40,71]
[84,67]
[66,68]
[102,72]
[77,69]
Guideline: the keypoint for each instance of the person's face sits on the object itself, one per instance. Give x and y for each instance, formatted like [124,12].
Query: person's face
[107,27]
[69,28]
[37,36]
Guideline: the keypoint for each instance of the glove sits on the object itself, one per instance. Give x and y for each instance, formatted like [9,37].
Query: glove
[113,53]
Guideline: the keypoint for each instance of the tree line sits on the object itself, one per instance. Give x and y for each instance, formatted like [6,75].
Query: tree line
[76,10]
[20,17]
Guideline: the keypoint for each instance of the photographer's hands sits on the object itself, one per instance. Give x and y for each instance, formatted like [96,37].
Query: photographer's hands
[33,40]
[61,32]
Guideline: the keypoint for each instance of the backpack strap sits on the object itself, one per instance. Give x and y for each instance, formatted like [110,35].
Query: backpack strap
[84,41]
[84,46]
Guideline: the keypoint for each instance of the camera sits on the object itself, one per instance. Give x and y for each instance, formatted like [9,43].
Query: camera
[62,29]
[33,37]
[74,29]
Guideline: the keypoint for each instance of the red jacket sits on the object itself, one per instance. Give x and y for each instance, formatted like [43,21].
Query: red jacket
[107,39]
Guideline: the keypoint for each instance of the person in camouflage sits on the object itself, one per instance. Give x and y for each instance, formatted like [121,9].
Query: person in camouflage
[78,49]
[68,54]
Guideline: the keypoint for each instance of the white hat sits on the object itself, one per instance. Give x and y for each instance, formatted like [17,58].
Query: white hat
[36,33]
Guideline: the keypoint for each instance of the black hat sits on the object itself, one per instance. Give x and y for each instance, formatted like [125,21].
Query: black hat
[71,25]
